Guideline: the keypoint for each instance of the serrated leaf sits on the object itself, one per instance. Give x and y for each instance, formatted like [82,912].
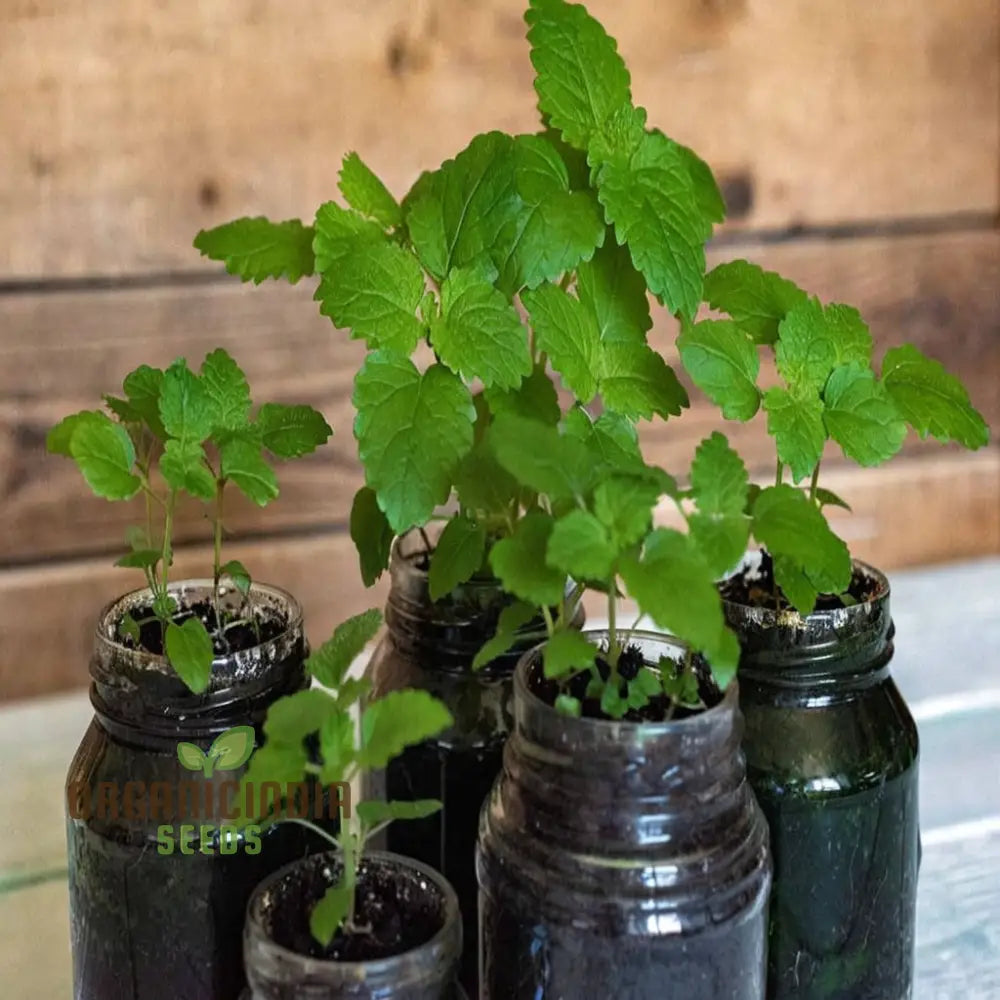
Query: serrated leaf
[182,465]
[143,387]
[579,547]
[398,720]
[567,332]
[519,562]
[256,248]
[615,293]
[238,575]
[228,390]
[624,504]
[756,300]
[329,914]
[412,431]
[535,398]
[372,535]
[479,333]
[930,399]
[611,439]
[329,664]
[367,194]
[374,292]
[706,190]
[186,409]
[59,438]
[482,484]
[244,466]
[104,453]
[291,431]
[719,479]
[373,813]
[720,538]
[860,415]
[294,717]
[337,736]
[457,556]
[636,382]
[190,653]
[795,421]
[565,652]
[852,339]
[339,233]
[581,79]
[723,362]
[541,458]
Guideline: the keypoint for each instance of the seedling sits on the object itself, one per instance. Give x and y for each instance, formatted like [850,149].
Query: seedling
[178,433]
[830,391]
[348,748]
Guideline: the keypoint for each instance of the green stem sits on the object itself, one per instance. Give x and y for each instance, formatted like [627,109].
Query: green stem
[549,624]
[166,553]
[814,483]
[779,475]
[613,629]
[318,830]
[217,552]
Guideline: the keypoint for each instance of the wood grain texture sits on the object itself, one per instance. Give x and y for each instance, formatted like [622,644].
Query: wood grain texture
[129,126]
[60,352]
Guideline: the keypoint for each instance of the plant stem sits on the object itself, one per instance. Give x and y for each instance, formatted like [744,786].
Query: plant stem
[779,474]
[220,486]
[613,629]
[549,624]
[318,830]
[815,481]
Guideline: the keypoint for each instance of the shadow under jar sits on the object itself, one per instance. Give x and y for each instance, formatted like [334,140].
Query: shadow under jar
[430,645]
[158,883]
[622,859]
[396,897]
[832,755]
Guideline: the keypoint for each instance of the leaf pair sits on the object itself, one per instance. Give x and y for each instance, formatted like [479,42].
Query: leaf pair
[228,752]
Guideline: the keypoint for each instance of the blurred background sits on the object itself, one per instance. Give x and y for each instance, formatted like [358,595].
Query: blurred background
[857,144]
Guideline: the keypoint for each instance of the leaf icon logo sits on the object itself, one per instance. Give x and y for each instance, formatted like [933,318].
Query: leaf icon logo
[231,750]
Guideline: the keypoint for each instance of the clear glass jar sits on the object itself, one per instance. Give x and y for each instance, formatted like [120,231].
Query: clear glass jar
[832,754]
[278,912]
[621,859]
[156,901]
[430,645]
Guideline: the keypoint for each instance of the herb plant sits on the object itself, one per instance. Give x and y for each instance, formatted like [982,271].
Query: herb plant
[179,433]
[350,742]
[830,390]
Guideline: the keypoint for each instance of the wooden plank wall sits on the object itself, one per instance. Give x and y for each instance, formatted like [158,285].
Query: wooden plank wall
[858,145]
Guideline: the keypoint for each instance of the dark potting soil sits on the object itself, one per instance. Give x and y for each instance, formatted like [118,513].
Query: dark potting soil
[237,637]
[630,661]
[754,587]
[397,910]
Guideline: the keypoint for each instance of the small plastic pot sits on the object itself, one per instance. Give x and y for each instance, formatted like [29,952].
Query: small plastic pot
[277,941]
[622,859]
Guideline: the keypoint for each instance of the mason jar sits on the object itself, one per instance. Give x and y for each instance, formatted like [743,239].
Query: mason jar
[622,859]
[832,755]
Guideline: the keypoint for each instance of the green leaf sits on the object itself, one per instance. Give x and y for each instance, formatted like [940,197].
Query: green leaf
[367,194]
[238,574]
[283,764]
[624,504]
[227,388]
[336,741]
[795,421]
[719,485]
[329,914]
[329,664]
[827,498]
[723,362]
[930,399]
[807,348]
[482,484]
[756,300]
[182,465]
[372,535]
[244,465]
[232,749]
[535,398]
[190,756]
[373,813]
[374,292]
[186,409]
[795,531]
[636,382]
[568,705]
[851,337]
[479,334]
[541,458]
[143,387]
[457,556]
[860,415]
[519,562]
[650,199]
[294,717]
[581,79]
[104,453]
[706,191]
[611,439]
[467,208]
[567,332]
[255,249]
[512,619]
[566,652]
[720,538]
[579,546]
[412,431]
[675,586]
[59,438]
[615,293]
[340,233]
[398,720]
[291,431]
[189,650]
[140,559]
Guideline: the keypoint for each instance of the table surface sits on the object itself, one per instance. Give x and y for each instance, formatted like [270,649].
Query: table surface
[947,665]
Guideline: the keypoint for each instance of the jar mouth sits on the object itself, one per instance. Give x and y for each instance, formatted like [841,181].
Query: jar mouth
[665,645]
[399,970]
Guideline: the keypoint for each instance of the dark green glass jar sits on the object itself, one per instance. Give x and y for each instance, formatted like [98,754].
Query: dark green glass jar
[832,755]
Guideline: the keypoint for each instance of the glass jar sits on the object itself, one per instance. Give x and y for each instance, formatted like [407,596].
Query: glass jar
[621,859]
[278,914]
[158,880]
[430,645]
[832,755]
